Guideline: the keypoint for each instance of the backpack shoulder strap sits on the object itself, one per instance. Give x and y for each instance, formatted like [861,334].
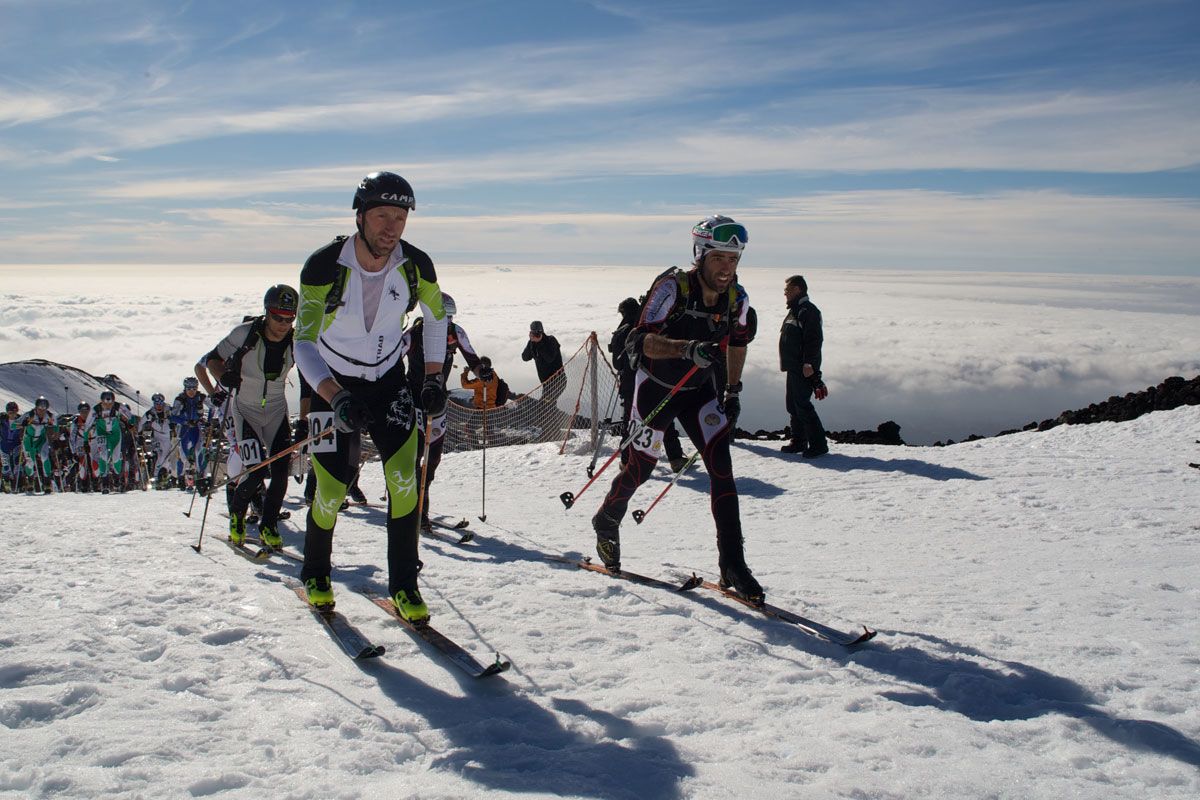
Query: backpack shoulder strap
[333,298]
[410,274]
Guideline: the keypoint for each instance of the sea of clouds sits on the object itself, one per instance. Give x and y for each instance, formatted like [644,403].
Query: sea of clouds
[944,354]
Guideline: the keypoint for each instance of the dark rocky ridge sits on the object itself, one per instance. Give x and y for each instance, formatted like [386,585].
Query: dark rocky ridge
[1171,393]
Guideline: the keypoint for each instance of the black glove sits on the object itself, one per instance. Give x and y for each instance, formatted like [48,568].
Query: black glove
[433,396]
[702,354]
[349,412]
[733,409]
[231,378]
[219,397]
[299,431]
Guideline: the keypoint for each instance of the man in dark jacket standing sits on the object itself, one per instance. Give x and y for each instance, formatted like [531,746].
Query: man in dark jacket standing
[546,355]
[800,342]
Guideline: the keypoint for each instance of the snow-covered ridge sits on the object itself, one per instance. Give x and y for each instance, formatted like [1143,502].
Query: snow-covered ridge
[64,386]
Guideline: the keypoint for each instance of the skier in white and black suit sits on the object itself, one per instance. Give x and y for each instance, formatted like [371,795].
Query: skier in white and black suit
[355,294]
[253,362]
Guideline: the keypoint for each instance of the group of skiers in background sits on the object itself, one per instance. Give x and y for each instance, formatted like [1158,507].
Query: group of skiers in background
[105,447]
[679,351]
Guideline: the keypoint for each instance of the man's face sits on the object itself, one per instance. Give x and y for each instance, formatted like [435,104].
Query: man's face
[791,291]
[278,324]
[720,268]
[383,226]
[191,391]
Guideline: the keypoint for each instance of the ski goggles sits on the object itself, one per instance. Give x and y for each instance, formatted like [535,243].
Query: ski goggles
[730,233]
[282,317]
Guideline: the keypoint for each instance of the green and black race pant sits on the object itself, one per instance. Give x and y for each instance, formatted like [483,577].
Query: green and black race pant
[393,430]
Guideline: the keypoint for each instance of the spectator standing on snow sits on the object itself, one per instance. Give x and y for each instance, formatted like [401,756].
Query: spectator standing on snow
[800,341]
[544,351]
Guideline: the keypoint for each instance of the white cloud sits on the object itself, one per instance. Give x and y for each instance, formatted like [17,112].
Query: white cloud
[943,354]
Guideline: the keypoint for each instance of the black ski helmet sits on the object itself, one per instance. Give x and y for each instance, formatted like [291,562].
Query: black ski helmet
[629,307]
[281,300]
[383,189]
[12,406]
[41,402]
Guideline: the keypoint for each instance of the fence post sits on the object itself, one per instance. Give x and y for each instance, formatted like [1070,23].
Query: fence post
[593,366]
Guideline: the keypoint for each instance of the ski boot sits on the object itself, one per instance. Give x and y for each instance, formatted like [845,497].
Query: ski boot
[794,447]
[410,606]
[106,485]
[237,528]
[269,536]
[737,577]
[356,494]
[608,540]
[320,593]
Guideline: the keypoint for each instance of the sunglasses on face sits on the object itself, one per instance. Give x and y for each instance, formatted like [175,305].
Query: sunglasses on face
[282,320]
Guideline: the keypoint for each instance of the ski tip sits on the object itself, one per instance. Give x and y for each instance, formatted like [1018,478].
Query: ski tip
[866,636]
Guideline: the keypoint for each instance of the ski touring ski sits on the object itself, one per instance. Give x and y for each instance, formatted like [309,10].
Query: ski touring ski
[453,524]
[450,535]
[632,577]
[246,552]
[290,555]
[352,641]
[447,647]
[808,626]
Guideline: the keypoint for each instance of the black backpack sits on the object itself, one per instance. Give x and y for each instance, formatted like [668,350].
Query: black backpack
[502,392]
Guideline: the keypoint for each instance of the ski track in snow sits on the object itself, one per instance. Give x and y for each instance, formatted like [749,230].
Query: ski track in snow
[1036,598]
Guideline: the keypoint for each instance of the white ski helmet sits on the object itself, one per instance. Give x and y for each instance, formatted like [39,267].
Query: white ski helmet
[717,232]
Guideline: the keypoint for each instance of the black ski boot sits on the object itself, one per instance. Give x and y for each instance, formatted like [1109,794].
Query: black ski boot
[738,578]
[608,540]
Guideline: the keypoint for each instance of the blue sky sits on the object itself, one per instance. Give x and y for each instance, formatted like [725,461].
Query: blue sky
[1053,137]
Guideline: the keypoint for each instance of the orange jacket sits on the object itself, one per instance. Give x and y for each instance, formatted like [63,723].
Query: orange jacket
[477,386]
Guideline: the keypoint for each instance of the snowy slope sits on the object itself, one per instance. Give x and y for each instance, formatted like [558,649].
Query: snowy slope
[24,381]
[1036,597]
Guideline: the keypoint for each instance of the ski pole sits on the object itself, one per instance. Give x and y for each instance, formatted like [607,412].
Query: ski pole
[568,499]
[424,464]
[203,519]
[483,489]
[285,452]
[640,515]
[196,473]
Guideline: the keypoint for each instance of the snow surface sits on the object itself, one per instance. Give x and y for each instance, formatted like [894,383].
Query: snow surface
[1036,598]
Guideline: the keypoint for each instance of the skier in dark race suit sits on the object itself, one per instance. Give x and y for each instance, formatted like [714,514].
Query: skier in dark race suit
[350,344]
[693,318]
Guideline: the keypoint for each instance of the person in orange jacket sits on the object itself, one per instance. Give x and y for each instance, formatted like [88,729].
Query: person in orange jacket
[486,384]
